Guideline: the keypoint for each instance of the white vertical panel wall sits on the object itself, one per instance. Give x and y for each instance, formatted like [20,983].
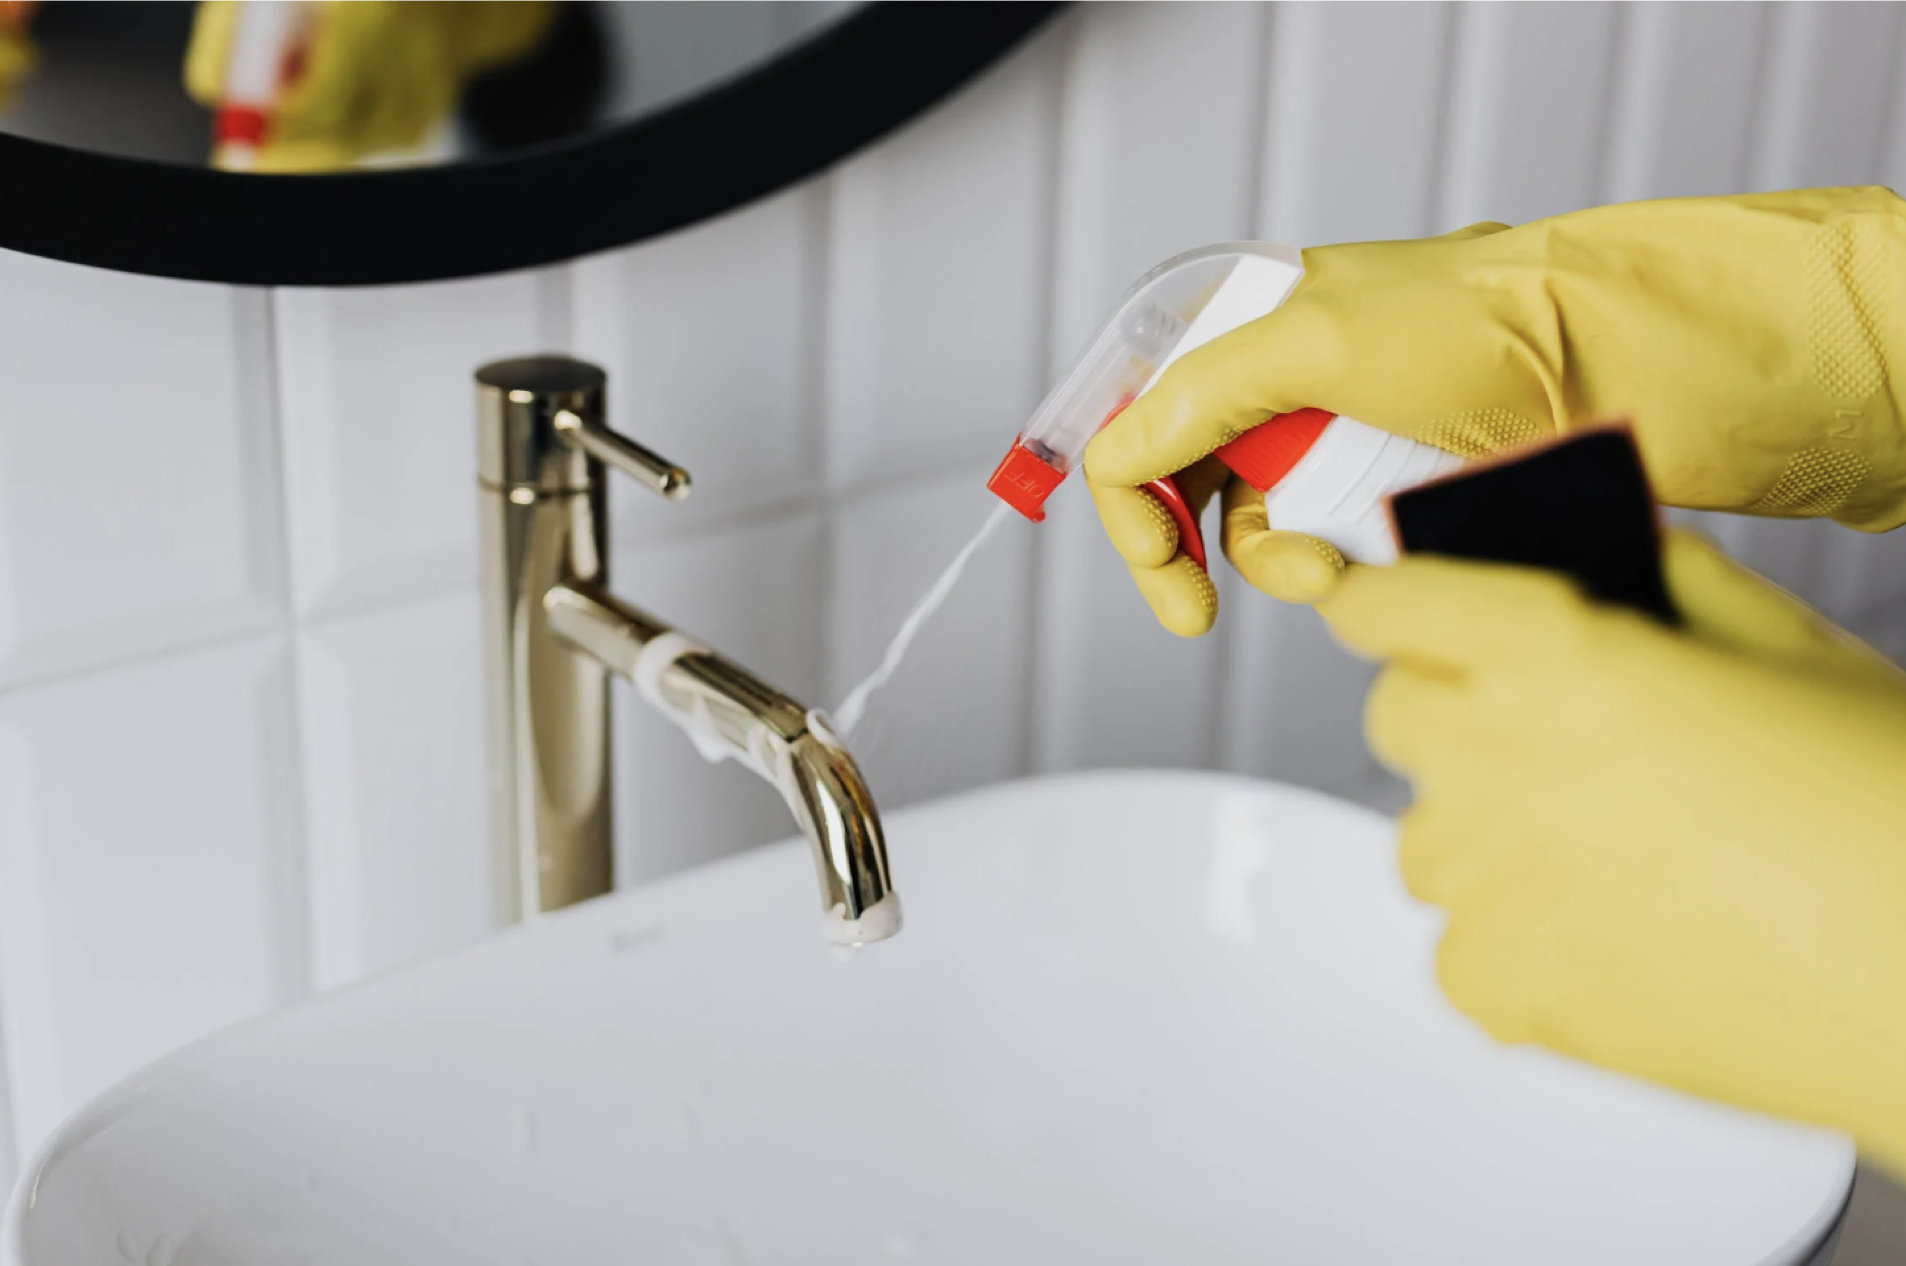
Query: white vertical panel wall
[240,706]
[1337,165]
[1159,136]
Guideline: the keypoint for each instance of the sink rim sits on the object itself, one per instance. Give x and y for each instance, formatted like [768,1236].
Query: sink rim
[1803,1246]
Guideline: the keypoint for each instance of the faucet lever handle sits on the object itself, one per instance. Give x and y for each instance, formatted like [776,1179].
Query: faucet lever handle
[650,469]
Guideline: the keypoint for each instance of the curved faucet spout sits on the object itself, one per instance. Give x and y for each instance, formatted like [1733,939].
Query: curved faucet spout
[823,787]
[730,714]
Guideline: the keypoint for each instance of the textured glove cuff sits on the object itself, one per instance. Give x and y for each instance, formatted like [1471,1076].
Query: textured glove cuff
[1856,344]
[18,59]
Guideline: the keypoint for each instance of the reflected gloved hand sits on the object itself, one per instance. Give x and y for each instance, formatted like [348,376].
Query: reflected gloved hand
[376,75]
[1678,853]
[1750,340]
[17,54]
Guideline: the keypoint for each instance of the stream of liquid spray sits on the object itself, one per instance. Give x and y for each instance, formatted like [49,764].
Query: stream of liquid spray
[854,706]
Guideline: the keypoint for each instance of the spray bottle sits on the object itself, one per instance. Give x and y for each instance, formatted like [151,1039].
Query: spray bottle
[1321,473]
[270,41]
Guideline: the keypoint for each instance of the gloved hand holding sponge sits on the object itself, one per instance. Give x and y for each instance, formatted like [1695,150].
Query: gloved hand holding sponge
[1675,852]
[370,76]
[1680,854]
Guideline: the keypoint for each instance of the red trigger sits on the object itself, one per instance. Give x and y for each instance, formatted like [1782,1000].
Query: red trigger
[1190,535]
[1261,456]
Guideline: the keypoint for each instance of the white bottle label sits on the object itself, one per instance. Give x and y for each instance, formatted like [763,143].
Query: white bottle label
[1338,490]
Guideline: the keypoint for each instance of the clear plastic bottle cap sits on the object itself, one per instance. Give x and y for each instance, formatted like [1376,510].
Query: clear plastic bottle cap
[1184,303]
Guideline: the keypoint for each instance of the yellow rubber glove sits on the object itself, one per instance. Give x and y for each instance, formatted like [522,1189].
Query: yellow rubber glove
[378,74]
[17,54]
[1748,339]
[1680,854]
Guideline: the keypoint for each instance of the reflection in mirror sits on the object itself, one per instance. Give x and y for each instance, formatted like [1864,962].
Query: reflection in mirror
[322,85]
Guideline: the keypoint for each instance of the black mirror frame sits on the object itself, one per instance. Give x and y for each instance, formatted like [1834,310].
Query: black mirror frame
[744,139]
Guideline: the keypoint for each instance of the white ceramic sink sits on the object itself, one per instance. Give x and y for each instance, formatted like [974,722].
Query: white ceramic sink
[1147,1018]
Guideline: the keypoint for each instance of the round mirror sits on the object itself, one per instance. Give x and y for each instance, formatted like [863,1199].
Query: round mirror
[313,142]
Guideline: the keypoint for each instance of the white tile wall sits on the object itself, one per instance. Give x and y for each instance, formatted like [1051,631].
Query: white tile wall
[1342,164]
[137,457]
[1112,687]
[375,393]
[1355,113]
[938,279]
[958,717]
[1829,72]
[149,852]
[240,737]
[391,738]
[1529,106]
[710,339]
[1687,96]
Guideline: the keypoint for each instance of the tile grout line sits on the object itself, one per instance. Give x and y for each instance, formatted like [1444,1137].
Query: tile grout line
[1219,720]
[293,873]
[1611,135]
[278,628]
[822,302]
[12,1158]
[1031,724]
[1779,28]
[1222,711]
[1894,98]
[1747,162]
[1440,194]
[288,622]
[817,271]
[24,1010]
[332,614]
[556,299]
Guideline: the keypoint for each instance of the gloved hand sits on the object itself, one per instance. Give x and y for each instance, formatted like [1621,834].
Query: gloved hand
[377,76]
[1680,854]
[1748,339]
[17,55]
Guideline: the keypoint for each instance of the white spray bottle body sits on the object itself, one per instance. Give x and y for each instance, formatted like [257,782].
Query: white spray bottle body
[1338,490]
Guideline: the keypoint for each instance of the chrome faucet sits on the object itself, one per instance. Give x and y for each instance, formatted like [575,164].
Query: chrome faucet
[553,633]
